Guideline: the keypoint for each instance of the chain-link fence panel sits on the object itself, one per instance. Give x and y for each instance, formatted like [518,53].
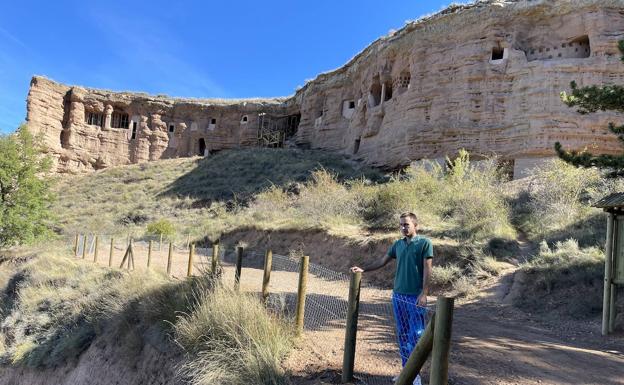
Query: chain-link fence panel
[379,349]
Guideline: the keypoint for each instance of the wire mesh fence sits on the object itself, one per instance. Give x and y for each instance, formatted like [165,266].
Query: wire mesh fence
[379,352]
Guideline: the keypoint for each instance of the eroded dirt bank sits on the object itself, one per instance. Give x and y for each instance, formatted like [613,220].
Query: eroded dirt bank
[105,362]
[336,253]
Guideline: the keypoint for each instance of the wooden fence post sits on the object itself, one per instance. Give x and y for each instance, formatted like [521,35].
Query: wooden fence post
[304,264]
[189,270]
[95,252]
[419,356]
[614,288]
[149,254]
[268,263]
[348,359]
[129,255]
[606,297]
[239,267]
[215,257]
[169,256]
[441,341]
[76,245]
[613,307]
[110,256]
[84,246]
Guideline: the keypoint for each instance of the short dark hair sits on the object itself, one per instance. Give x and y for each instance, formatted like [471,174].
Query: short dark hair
[411,216]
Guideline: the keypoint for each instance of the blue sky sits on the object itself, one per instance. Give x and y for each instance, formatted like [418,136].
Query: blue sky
[189,48]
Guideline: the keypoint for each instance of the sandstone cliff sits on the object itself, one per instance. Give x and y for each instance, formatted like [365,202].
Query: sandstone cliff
[485,77]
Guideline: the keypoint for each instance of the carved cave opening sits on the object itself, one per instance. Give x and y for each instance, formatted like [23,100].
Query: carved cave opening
[202,147]
[356,146]
[498,53]
[119,119]
[273,130]
[577,48]
[388,91]
[94,118]
[375,92]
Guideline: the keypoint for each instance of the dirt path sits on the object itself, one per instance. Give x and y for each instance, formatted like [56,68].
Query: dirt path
[493,342]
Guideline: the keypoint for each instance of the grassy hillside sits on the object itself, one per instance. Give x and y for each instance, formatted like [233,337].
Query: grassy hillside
[187,191]
[473,205]
[53,308]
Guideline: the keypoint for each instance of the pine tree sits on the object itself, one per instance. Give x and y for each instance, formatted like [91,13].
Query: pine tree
[25,194]
[588,100]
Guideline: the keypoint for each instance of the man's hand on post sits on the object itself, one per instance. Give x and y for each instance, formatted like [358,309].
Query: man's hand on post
[357,269]
[422,300]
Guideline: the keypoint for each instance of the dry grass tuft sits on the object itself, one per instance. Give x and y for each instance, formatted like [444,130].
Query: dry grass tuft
[233,340]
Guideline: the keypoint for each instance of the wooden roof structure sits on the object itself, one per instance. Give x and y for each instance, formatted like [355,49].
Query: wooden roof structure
[612,202]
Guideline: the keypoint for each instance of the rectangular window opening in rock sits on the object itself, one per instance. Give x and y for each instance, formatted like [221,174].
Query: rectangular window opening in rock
[119,120]
[134,131]
[348,108]
[500,54]
[94,118]
[171,128]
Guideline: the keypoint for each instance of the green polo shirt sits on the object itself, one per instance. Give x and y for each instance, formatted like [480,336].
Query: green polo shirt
[410,257]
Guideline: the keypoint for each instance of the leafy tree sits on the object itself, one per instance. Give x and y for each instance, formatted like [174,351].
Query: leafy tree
[25,194]
[588,100]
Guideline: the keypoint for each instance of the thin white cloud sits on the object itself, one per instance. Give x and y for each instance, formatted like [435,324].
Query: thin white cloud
[148,51]
[15,40]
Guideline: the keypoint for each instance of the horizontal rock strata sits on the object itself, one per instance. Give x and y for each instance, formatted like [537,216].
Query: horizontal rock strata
[485,77]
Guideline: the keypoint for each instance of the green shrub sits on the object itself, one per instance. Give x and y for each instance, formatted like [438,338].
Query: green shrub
[465,202]
[557,203]
[162,227]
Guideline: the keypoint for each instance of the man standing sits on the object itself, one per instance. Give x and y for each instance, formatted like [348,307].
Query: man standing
[414,255]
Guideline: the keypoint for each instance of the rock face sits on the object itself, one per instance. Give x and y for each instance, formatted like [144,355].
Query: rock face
[485,77]
[86,129]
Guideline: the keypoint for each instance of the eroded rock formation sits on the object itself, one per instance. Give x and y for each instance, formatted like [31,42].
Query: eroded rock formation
[485,77]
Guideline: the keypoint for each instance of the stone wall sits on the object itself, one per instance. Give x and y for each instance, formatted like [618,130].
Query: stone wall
[485,77]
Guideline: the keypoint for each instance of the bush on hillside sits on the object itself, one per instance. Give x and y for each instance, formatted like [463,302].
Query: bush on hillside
[468,199]
[162,227]
[564,280]
[556,205]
